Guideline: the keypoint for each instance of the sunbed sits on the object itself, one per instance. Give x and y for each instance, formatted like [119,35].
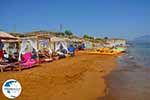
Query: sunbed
[5,66]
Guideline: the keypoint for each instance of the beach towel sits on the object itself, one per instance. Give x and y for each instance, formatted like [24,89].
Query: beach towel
[27,61]
[1,54]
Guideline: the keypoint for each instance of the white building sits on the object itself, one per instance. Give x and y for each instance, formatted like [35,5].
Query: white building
[115,42]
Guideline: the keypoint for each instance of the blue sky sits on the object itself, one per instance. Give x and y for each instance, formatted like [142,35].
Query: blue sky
[99,18]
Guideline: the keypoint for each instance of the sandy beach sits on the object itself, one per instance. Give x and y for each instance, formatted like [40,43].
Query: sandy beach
[72,78]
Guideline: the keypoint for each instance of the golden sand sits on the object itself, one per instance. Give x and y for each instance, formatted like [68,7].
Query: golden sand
[72,78]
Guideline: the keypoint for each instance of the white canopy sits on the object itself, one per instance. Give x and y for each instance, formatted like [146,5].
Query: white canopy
[59,44]
[33,44]
[56,39]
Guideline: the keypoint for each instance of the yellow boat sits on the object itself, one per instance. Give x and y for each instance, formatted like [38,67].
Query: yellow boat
[105,51]
[102,51]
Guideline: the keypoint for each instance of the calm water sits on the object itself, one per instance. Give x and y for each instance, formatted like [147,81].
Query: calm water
[141,53]
[131,80]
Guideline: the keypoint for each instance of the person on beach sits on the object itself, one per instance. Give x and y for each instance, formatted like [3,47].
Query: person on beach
[82,46]
[12,58]
[16,54]
[61,54]
[71,50]
[34,54]
[1,50]
[5,55]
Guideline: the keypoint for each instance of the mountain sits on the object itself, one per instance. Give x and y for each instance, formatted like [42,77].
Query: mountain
[143,39]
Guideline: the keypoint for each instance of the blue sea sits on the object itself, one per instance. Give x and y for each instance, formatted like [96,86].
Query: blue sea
[139,53]
[131,80]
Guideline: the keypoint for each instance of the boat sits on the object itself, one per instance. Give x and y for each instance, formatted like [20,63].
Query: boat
[106,51]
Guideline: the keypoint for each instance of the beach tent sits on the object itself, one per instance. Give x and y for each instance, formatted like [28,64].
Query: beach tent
[9,41]
[6,36]
[76,42]
[10,47]
[28,43]
[58,42]
[63,44]
[43,44]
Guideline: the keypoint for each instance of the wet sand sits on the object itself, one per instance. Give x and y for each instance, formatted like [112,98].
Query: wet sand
[77,78]
[129,81]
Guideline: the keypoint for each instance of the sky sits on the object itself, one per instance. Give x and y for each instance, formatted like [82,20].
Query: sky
[99,18]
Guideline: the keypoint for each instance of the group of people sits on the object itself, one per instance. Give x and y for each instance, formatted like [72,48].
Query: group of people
[1,50]
[62,52]
[45,55]
[14,56]
[8,57]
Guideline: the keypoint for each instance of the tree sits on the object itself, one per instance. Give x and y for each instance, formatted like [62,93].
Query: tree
[59,34]
[105,38]
[85,36]
[100,39]
[17,34]
[68,33]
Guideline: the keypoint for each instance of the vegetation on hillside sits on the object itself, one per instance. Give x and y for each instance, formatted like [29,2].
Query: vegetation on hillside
[85,36]
[17,34]
[66,33]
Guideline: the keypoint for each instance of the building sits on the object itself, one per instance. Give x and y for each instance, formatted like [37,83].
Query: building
[115,42]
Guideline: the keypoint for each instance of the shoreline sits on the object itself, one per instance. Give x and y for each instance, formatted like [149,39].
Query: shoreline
[70,78]
[130,80]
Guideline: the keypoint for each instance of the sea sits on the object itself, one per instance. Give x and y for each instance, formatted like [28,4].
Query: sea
[139,53]
[131,79]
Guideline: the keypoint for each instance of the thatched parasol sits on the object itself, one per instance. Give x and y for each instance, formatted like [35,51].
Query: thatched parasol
[6,36]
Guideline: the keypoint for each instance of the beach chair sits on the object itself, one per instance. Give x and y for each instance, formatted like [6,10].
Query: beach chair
[45,57]
[11,66]
[27,62]
[71,51]
[2,67]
